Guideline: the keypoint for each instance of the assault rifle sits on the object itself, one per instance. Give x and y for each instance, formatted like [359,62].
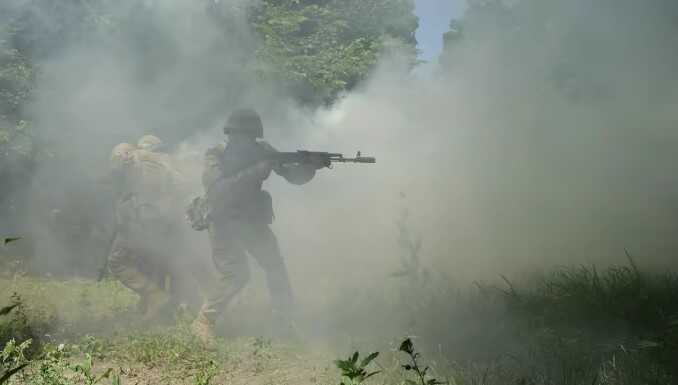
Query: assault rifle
[327,158]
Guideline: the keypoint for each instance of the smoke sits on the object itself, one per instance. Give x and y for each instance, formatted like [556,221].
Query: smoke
[548,143]
[545,136]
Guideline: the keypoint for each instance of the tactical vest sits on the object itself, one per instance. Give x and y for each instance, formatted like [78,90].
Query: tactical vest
[255,205]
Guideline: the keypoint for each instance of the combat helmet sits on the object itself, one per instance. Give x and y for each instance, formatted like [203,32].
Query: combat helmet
[149,143]
[246,121]
[121,153]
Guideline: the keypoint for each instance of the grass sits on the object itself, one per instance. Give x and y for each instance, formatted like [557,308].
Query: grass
[574,325]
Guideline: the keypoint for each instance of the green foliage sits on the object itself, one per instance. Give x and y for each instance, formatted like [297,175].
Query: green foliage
[319,49]
[620,312]
[206,372]
[355,372]
[63,364]
[13,359]
[7,241]
[86,370]
[407,347]
[175,347]
[17,75]
[15,324]
[16,80]
[42,297]
[53,368]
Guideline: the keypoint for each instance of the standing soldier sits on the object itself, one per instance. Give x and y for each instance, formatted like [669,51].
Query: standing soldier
[240,213]
[145,206]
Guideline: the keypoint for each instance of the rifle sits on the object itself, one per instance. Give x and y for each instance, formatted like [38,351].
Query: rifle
[327,158]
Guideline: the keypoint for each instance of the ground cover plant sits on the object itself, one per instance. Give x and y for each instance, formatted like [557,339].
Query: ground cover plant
[573,325]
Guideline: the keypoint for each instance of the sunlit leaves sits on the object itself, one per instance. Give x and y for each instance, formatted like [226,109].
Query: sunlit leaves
[319,50]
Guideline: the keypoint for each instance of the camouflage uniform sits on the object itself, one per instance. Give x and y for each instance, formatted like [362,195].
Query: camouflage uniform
[145,219]
[240,213]
[150,143]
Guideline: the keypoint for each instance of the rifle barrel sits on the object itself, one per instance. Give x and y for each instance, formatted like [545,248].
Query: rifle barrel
[362,159]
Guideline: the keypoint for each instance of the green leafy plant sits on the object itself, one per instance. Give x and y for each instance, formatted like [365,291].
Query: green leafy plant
[7,241]
[206,373]
[53,367]
[318,50]
[414,366]
[13,359]
[86,370]
[355,372]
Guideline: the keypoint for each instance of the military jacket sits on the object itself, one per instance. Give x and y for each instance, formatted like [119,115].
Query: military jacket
[233,178]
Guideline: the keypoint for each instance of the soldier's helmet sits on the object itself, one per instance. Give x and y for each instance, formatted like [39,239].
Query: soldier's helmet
[122,153]
[149,143]
[245,121]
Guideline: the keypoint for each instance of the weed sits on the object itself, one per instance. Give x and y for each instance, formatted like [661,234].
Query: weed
[13,359]
[92,346]
[262,353]
[54,367]
[354,372]
[86,370]
[206,373]
[407,347]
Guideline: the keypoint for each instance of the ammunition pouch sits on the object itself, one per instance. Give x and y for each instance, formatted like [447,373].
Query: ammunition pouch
[197,213]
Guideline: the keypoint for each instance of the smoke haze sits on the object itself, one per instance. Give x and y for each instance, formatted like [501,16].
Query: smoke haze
[552,142]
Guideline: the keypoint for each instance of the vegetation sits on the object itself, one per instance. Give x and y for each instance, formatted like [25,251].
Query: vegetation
[322,48]
[572,325]
[575,325]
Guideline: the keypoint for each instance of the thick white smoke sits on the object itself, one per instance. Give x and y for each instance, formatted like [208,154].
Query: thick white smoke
[549,142]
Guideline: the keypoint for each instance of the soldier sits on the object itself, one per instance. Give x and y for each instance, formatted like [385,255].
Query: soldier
[179,271]
[150,143]
[145,206]
[240,213]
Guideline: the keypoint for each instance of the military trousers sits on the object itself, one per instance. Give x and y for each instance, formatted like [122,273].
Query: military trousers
[232,241]
[140,256]
[132,266]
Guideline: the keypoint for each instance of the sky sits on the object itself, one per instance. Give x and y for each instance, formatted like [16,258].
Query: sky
[434,21]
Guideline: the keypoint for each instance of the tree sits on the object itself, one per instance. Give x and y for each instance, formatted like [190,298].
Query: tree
[319,49]
[16,142]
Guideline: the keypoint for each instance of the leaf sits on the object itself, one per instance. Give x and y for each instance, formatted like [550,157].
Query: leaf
[369,359]
[354,359]
[9,240]
[343,365]
[406,346]
[371,374]
[5,377]
[410,382]
[106,374]
[5,310]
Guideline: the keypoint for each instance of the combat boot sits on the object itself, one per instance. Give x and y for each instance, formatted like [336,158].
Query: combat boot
[203,329]
[157,301]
